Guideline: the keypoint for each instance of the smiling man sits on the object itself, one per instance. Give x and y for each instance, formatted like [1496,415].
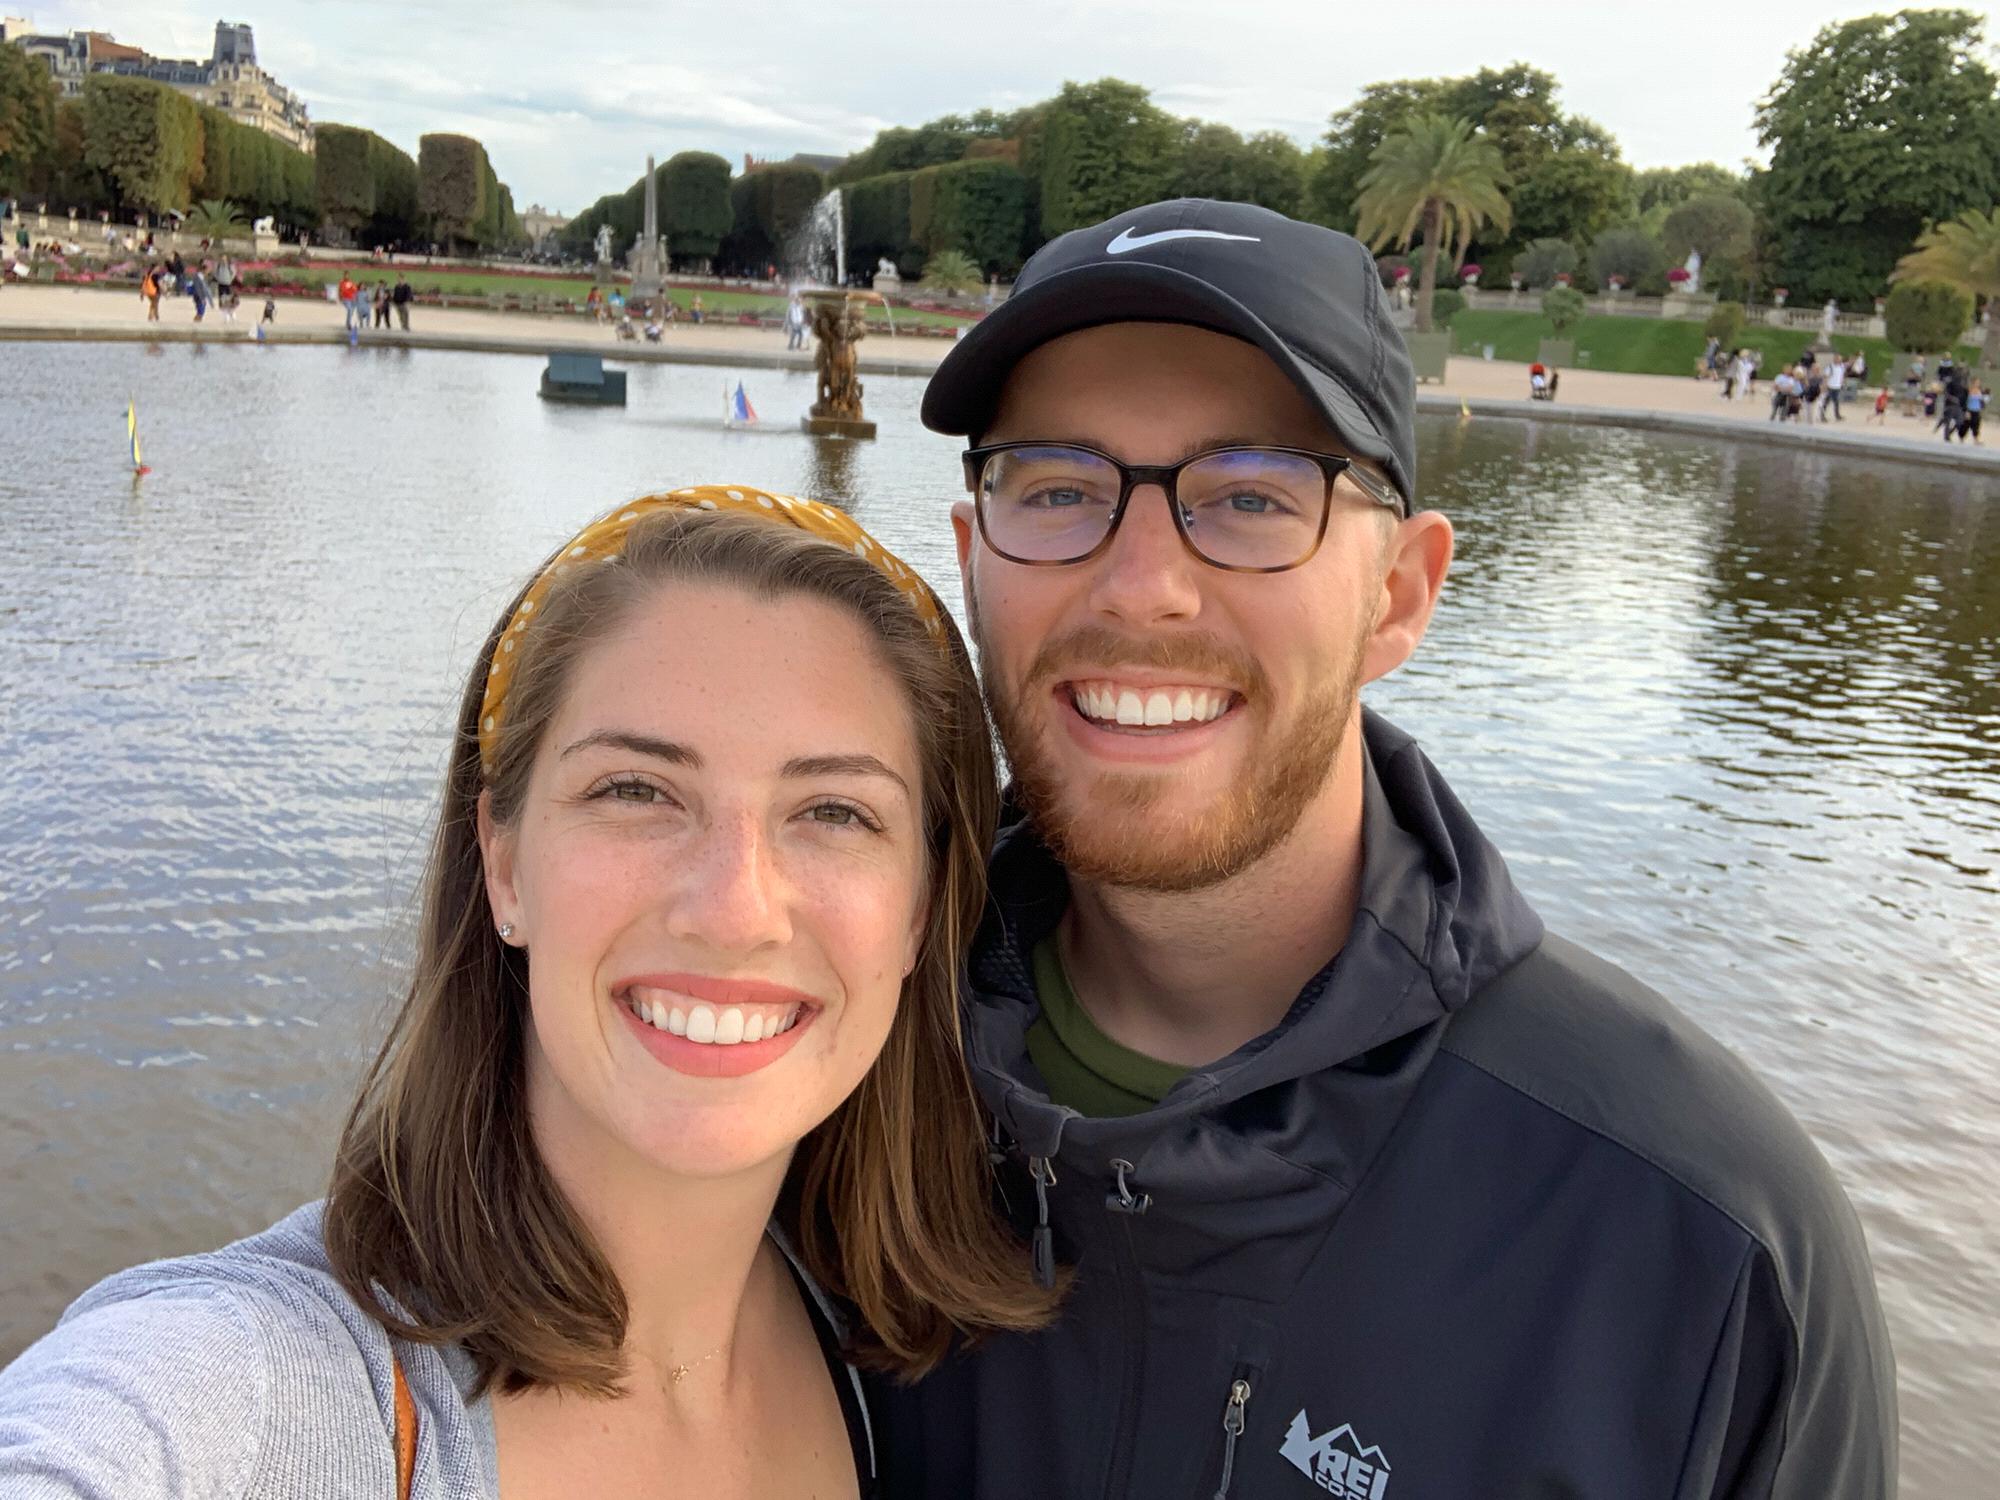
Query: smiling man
[1364,1185]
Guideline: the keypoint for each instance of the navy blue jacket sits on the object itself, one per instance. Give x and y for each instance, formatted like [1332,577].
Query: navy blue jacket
[1482,1217]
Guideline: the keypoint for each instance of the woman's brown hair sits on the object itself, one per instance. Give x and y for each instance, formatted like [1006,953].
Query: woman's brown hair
[442,1216]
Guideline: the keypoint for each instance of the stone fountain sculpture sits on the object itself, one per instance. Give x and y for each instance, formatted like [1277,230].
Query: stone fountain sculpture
[836,319]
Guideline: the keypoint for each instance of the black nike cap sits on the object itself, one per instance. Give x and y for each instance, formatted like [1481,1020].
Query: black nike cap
[1308,297]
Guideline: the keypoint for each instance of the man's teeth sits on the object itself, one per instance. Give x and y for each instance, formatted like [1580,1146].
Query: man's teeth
[705,1024]
[1108,703]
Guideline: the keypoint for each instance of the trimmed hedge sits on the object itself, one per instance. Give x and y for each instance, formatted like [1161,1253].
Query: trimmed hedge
[257,172]
[451,185]
[145,137]
[363,184]
[979,208]
[878,222]
[695,213]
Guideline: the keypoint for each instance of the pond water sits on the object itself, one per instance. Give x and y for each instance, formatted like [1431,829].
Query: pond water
[1733,714]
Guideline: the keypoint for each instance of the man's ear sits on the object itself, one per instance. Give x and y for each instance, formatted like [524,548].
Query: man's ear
[1416,559]
[964,530]
[496,855]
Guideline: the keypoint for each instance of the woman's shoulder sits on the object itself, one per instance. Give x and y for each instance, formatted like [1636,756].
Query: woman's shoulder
[245,1370]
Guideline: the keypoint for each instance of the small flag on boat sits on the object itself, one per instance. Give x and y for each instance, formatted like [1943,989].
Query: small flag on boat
[132,433]
[740,409]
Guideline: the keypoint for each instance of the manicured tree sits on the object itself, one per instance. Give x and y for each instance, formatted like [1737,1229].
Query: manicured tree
[1724,324]
[1964,253]
[451,186]
[1446,304]
[1435,179]
[694,205]
[878,221]
[1925,316]
[1563,306]
[144,137]
[978,207]
[72,179]
[396,191]
[27,121]
[344,176]
[746,247]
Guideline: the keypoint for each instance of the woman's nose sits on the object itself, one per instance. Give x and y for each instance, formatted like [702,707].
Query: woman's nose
[730,894]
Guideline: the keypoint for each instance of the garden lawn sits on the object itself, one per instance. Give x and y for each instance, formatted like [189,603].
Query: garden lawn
[1657,346]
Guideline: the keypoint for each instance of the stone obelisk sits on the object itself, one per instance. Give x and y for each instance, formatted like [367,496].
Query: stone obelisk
[648,264]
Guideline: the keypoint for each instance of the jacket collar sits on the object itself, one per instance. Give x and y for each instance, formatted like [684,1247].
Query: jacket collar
[1438,917]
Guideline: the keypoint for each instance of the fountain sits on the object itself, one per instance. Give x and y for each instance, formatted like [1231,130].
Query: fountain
[835,316]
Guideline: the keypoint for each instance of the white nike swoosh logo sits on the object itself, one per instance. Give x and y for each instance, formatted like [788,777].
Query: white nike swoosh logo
[1127,240]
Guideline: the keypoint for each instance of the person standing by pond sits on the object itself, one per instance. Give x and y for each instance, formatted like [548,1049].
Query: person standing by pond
[1836,381]
[149,293]
[402,297]
[197,288]
[350,299]
[1357,1168]
[676,1066]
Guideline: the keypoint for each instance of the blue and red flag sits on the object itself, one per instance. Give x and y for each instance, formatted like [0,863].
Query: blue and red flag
[740,409]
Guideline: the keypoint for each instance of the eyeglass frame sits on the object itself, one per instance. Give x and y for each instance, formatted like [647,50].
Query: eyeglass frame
[1167,477]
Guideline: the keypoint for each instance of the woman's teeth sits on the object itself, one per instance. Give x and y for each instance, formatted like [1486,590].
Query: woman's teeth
[711,1027]
[1107,703]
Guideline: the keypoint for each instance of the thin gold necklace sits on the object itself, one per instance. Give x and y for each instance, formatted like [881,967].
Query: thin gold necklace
[678,1373]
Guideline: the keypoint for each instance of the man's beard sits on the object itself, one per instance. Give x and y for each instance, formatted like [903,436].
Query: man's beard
[1109,831]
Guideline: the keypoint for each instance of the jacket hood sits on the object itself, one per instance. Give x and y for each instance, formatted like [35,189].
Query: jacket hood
[1438,917]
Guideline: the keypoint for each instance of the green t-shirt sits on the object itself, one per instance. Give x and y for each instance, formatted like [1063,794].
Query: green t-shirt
[1085,1069]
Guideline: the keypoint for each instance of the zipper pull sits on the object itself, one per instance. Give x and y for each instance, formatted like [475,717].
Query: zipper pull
[1232,1425]
[1044,1173]
[1124,1200]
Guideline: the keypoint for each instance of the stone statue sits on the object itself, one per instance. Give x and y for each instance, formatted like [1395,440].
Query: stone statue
[604,245]
[1826,316]
[887,267]
[838,325]
[265,225]
[1693,268]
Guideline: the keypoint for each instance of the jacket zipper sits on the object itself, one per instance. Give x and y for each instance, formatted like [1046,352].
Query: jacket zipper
[1132,1317]
[1044,1172]
[1233,1413]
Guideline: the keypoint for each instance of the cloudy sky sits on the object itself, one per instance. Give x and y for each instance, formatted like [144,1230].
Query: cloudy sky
[569,98]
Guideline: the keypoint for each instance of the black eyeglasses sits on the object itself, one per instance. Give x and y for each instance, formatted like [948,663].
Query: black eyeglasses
[1247,510]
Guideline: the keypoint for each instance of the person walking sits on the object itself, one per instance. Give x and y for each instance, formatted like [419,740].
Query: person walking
[694,307]
[795,323]
[381,304]
[1975,409]
[197,290]
[1836,381]
[401,297]
[350,299]
[1951,401]
[1881,405]
[149,293]
[225,282]
[1347,1163]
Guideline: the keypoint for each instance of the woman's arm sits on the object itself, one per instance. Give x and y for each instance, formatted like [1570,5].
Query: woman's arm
[163,1395]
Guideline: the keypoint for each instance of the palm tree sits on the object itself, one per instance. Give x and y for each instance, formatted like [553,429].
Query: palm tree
[1966,253]
[1438,177]
[216,219]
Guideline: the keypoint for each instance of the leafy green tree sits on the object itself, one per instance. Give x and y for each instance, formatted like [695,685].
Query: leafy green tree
[1664,188]
[1216,162]
[949,138]
[73,181]
[878,222]
[27,121]
[1724,323]
[783,199]
[362,184]
[1964,253]
[1447,302]
[1924,316]
[144,137]
[1564,307]
[1544,260]
[1878,127]
[1632,255]
[1572,194]
[694,205]
[1438,179]
[951,271]
[1104,147]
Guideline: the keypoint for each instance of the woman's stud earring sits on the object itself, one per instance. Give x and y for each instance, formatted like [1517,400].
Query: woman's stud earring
[506,931]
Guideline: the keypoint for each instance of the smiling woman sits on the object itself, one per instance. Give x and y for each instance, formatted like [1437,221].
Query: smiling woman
[679,1046]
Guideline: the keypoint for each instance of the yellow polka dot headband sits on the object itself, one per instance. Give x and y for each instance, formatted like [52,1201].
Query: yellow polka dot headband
[604,539]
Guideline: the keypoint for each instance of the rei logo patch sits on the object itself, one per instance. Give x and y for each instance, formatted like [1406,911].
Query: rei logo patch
[1336,1461]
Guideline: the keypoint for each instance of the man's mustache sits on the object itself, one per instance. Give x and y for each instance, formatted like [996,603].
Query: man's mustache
[1097,647]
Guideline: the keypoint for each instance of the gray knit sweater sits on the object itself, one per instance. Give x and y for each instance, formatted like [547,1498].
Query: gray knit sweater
[246,1372]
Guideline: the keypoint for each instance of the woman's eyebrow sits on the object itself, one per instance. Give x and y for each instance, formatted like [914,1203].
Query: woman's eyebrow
[842,765]
[643,744]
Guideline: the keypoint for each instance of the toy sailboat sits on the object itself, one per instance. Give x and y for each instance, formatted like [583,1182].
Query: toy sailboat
[132,432]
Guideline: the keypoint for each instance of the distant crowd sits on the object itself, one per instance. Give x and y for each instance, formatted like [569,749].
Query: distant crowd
[1814,387]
